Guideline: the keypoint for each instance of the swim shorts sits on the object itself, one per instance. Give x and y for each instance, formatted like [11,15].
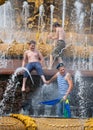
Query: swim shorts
[33,66]
[57,52]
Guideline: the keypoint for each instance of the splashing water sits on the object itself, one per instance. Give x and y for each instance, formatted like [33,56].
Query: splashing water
[44,94]
[10,90]
[41,19]
[18,70]
[60,53]
[80,14]
[51,17]
[77,16]
[7,22]
[81,93]
[91,16]
[25,13]
[3,61]
[63,14]
[8,94]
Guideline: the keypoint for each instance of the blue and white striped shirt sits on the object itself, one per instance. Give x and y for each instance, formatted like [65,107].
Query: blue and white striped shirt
[62,85]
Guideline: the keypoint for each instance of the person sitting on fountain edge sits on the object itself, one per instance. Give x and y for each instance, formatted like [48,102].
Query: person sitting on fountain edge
[65,86]
[32,60]
[60,37]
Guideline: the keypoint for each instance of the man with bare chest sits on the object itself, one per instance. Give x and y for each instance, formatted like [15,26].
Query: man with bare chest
[60,37]
[32,61]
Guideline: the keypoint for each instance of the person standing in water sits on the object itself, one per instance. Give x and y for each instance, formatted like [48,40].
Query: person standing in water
[32,60]
[60,37]
[65,86]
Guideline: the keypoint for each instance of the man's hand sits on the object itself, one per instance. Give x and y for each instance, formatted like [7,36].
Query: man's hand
[47,82]
[50,36]
[65,97]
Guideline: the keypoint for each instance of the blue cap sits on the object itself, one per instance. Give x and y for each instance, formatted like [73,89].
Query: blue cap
[59,65]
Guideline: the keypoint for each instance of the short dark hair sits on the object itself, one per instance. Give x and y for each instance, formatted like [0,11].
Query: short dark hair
[56,24]
[60,65]
[32,42]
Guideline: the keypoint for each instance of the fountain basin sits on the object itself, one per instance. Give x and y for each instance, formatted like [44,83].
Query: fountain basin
[10,123]
[60,123]
[50,123]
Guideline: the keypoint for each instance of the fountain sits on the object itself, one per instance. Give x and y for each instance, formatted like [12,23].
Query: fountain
[91,16]
[63,15]
[77,56]
[25,15]
[7,22]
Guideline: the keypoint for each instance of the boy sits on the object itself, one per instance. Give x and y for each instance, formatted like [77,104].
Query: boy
[65,85]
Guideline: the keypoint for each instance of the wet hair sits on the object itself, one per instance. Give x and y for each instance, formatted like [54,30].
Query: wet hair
[56,24]
[60,65]
[32,42]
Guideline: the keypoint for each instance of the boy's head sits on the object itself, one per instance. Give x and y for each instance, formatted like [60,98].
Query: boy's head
[32,44]
[56,24]
[60,65]
[61,68]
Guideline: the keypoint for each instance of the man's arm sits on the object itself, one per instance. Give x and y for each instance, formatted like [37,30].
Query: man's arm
[70,83]
[41,58]
[52,79]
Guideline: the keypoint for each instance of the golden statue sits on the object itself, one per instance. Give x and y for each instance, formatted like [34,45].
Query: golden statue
[37,2]
[2,2]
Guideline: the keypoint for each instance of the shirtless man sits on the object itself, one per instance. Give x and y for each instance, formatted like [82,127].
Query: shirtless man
[60,37]
[32,60]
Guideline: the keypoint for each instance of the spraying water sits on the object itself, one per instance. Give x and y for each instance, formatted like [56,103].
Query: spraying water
[77,16]
[60,53]
[6,16]
[91,16]
[25,13]
[81,94]
[3,61]
[7,22]
[44,94]
[10,89]
[63,14]
[8,94]
[51,17]
[18,70]
[41,20]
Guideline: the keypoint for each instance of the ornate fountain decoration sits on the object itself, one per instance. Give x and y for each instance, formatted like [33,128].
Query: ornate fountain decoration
[2,2]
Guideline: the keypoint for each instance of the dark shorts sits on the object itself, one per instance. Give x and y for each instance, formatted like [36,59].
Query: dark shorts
[33,66]
[57,52]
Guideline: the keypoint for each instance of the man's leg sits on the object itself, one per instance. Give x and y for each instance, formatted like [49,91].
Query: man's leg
[60,109]
[23,85]
[51,61]
[60,60]
[43,78]
[39,70]
[29,67]
[60,48]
